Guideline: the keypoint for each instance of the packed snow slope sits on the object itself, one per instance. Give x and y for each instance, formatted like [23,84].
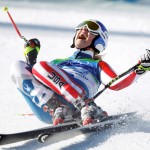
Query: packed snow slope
[53,23]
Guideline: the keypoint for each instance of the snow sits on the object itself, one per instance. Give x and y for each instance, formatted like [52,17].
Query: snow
[53,24]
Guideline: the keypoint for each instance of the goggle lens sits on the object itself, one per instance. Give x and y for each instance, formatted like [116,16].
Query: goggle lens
[92,26]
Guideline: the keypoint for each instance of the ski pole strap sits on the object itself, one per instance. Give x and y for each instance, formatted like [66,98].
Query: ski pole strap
[115,79]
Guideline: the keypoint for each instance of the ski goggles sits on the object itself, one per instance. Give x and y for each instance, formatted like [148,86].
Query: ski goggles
[92,27]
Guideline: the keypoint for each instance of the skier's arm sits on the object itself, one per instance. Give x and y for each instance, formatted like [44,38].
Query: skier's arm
[107,74]
[31,51]
[125,81]
[134,75]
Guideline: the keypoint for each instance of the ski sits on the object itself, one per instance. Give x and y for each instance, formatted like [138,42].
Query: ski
[33,134]
[63,131]
[100,126]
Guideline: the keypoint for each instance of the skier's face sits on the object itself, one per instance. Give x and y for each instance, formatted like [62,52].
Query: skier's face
[83,38]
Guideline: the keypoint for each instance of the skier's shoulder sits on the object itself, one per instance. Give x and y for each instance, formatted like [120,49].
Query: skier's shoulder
[106,67]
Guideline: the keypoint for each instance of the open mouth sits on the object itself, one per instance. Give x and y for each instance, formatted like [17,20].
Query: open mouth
[82,36]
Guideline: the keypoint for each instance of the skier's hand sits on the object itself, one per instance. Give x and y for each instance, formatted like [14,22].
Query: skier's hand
[31,50]
[144,63]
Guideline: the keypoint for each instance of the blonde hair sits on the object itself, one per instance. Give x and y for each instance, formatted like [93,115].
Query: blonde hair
[97,57]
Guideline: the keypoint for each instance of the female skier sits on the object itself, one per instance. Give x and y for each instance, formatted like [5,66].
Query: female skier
[62,88]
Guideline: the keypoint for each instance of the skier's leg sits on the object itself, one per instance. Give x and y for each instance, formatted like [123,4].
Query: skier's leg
[41,99]
[33,91]
[58,80]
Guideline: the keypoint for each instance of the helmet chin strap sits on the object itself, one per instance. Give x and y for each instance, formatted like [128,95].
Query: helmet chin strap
[84,49]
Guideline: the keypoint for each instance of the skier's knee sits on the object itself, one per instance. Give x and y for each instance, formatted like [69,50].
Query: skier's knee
[19,71]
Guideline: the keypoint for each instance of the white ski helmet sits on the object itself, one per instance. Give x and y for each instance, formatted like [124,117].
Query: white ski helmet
[99,43]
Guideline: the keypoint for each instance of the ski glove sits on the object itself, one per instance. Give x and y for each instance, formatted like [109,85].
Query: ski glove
[32,48]
[144,63]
